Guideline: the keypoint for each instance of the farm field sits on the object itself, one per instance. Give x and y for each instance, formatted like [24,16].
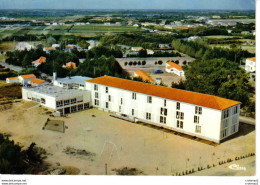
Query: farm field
[92,30]
[249,48]
[78,30]
[119,143]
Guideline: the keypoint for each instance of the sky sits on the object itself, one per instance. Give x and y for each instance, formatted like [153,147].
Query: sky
[128,4]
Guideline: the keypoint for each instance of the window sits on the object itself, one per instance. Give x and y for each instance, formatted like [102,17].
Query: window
[196,119]
[109,98]
[81,85]
[121,101]
[224,133]
[96,87]
[106,89]
[133,112]
[148,116]
[119,108]
[73,101]
[66,102]
[198,110]
[182,115]
[198,129]
[43,100]
[178,105]
[163,119]
[177,114]
[59,103]
[134,96]
[164,111]
[74,108]
[235,109]
[179,124]
[96,102]
[80,107]
[86,105]
[165,103]
[226,113]
[149,99]
[96,94]
[225,123]
[234,128]
[107,105]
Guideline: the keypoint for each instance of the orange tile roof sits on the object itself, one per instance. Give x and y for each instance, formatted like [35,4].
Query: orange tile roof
[252,59]
[50,48]
[204,100]
[12,78]
[28,76]
[40,60]
[173,65]
[71,65]
[37,81]
[145,77]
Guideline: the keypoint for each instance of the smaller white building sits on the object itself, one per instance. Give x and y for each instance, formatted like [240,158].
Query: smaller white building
[24,79]
[150,52]
[36,82]
[74,82]
[174,68]
[12,80]
[250,65]
[57,98]
[136,48]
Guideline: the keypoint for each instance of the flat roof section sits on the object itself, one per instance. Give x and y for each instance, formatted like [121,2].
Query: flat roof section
[74,79]
[55,91]
[195,98]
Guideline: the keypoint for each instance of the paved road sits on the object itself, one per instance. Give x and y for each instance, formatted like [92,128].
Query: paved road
[15,68]
[247,120]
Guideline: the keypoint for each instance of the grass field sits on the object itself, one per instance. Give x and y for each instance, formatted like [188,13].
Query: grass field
[6,46]
[249,48]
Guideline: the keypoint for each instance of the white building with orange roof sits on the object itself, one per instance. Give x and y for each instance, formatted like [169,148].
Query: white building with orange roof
[12,80]
[36,82]
[171,67]
[250,65]
[144,76]
[179,110]
[136,49]
[39,61]
[24,79]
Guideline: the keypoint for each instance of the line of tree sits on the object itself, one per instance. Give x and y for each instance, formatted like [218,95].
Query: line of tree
[201,50]
[145,40]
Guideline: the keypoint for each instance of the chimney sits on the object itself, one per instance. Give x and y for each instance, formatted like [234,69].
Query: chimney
[54,76]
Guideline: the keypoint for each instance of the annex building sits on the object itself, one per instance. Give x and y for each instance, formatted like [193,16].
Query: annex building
[201,115]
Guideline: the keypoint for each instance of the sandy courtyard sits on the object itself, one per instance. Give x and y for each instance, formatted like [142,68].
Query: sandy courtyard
[123,144]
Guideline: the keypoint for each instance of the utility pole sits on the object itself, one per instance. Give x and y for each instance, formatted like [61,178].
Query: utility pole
[94,71]
[106,168]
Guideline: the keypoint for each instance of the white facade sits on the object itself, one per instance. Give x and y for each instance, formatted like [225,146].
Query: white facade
[12,80]
[250,65]
[167,113]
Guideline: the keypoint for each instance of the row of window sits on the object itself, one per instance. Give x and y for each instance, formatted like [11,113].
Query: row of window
[69,102]
[42,100]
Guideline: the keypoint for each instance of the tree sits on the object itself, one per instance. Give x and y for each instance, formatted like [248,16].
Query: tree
[143,62]
[139,63]
[134,63]
[142,53]
[184,62]
[218,77]
[83,44]
[160,62]
[155,62]
[176,62]
[126,63]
